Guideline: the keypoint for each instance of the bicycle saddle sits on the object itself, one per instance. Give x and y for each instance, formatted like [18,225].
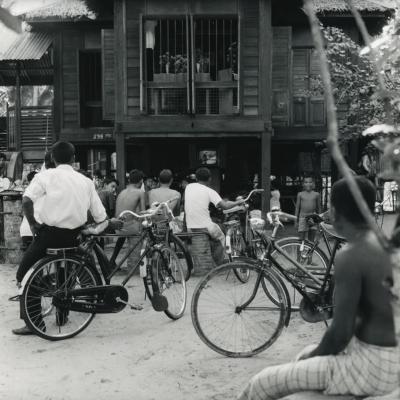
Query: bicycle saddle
[329,229]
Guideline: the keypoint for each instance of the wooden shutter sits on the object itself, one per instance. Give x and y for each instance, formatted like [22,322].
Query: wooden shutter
[282,43]
[108,71]
[317,113]
[300,60]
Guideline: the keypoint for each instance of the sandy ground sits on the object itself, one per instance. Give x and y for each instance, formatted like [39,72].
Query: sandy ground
[136,355]
[131,355]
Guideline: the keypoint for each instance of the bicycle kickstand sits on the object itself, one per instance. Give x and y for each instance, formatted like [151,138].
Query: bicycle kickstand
[132,306]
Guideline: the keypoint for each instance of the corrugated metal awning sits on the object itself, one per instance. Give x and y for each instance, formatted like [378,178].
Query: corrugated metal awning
[28,46]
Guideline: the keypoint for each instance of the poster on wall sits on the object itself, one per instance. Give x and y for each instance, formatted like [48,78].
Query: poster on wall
[208,157]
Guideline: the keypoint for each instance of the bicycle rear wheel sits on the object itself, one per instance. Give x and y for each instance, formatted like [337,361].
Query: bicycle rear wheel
[169,280]
[223,319]
[56,277]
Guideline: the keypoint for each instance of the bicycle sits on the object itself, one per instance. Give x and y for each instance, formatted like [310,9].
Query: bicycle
[379,212]
[242,319]
[63,291]
[240,242]
[163,231]
[310,254]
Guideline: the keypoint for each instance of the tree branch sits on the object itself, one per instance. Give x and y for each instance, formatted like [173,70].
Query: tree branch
[332,139]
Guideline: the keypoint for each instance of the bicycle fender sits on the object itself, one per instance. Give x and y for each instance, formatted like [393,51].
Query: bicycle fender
[289,310]
[29,273]
[25,279]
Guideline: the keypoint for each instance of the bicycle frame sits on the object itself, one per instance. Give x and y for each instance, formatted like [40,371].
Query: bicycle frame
[105,264]
[300,287]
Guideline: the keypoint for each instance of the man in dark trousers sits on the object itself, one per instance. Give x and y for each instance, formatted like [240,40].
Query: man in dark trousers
[66,196]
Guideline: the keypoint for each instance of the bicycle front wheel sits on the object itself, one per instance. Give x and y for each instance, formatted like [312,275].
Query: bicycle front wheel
[312,259]
[238,319]
[169,279]
[238,249]
[179,247]
[55,277]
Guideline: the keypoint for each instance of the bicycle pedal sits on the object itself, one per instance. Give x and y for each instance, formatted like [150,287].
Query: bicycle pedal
[137,307]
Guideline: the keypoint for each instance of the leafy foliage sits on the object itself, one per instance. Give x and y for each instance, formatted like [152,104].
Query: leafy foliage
[30,96]
[357,98]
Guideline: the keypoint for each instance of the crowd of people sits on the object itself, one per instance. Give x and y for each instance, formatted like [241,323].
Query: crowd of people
[358,354]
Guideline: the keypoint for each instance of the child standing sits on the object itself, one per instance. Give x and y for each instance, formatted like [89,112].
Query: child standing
[308,202]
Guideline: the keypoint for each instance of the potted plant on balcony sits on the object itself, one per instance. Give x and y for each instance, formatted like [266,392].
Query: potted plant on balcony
[165,64]
[202,67]
[180,67]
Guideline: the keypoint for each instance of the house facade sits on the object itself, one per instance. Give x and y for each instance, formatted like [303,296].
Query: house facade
[177,84]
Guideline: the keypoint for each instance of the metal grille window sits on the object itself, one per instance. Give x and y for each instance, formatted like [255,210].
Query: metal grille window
[166,66]
[190,66]
[215,65]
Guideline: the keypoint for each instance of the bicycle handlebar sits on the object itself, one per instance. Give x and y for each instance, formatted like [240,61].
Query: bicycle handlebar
[240,206]
[151,213]
[251,194]
[274,217]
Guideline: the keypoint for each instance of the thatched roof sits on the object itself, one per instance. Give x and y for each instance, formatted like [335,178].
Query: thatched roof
[327,6]
[64,10]
[76,9]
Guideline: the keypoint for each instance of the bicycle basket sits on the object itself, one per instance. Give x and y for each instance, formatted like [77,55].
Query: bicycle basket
[160,229]
[257,224]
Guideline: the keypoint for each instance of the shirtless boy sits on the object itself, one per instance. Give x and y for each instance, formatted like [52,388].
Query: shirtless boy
[308,202]
[358,354]
[131,198]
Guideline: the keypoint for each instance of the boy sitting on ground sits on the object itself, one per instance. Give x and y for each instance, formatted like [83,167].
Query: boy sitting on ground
[358,354]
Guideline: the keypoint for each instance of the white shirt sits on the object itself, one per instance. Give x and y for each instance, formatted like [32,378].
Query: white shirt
[25,229]
[66,197]
[197,199]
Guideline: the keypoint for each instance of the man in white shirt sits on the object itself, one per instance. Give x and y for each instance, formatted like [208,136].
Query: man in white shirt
[198,196]
[65,198]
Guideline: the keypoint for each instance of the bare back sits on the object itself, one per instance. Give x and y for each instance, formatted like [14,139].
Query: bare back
[362,269]
[132,199]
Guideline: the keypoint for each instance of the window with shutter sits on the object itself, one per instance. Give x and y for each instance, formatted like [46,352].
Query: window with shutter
[308,103]
[90,89]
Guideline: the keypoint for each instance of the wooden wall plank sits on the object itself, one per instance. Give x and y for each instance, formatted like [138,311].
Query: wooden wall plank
[72,41]
[249,55]
[120,60]
[108,72]
[281,73]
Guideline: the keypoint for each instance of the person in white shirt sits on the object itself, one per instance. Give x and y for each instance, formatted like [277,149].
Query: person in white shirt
[24,229]
[65,198]
[198,196]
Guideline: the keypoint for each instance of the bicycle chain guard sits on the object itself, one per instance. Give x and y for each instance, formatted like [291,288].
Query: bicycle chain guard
[314,311]
[103,299]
